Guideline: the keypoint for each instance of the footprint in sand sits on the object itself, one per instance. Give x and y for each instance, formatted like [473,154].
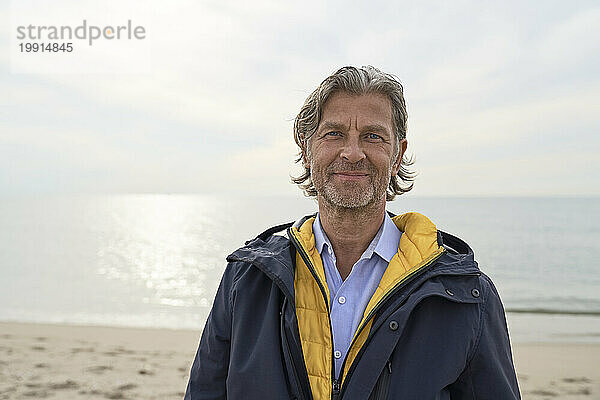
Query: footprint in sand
[114,395]
[127,386]
[95,392]
[584,390]
[99,369]
[145,372]
[119,351]
[76,350]
[38,394]
[122,350]
[68,384]
[582,379]
[543,392]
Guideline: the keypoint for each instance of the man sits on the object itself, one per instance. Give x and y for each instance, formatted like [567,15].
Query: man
[354,303]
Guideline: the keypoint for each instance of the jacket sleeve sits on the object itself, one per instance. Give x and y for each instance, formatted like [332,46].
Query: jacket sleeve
[208,375]
[489,373]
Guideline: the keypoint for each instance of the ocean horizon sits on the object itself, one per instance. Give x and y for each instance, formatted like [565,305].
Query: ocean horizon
[155,260]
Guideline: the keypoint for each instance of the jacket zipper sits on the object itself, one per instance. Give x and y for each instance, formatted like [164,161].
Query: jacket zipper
[335,394]
[335,384]
[379,305]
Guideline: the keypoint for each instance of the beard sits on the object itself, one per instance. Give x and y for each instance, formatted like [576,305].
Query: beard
[350,194]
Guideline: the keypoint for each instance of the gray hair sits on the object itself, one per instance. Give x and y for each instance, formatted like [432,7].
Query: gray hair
[356,81]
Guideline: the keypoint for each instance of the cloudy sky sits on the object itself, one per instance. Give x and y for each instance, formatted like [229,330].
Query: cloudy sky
[502,96]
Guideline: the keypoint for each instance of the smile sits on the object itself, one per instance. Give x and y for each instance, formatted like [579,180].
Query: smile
[351,175]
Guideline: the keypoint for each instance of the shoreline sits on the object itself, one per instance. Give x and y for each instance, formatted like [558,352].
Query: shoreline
[61,361]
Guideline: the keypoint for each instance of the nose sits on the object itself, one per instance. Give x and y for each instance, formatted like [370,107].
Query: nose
[352,151]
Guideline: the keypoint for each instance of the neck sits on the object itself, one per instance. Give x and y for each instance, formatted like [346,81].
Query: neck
[350,230]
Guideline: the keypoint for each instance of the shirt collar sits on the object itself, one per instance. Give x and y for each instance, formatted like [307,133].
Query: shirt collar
[385,243]
[320,238]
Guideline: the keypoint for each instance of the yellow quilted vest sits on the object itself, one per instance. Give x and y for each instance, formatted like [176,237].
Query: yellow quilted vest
[417,249]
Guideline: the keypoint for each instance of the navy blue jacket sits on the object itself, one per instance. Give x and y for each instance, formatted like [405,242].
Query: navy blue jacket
[441,336]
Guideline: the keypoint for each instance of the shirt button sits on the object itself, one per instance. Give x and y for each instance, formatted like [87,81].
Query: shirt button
[341,299]
[337,354]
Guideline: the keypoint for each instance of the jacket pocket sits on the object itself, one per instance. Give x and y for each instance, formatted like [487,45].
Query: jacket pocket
[380,391]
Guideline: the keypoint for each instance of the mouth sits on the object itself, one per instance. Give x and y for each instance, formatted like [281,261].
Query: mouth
[351,175]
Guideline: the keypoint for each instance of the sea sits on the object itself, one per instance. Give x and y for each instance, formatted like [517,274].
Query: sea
[155,260]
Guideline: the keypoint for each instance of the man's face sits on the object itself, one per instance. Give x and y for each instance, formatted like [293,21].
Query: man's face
[351,155]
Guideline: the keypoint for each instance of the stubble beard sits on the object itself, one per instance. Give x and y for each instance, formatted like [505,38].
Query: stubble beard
[350,195]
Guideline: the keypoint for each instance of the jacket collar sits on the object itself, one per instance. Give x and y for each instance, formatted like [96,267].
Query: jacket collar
[274,253]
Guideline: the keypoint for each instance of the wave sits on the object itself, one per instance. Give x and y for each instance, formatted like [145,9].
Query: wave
[552,311]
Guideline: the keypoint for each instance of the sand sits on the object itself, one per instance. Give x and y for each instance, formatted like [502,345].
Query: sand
[77,362]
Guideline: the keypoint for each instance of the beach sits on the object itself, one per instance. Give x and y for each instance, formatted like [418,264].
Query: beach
[92,362]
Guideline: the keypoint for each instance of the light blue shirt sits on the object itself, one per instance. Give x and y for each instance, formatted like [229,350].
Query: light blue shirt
[349,298]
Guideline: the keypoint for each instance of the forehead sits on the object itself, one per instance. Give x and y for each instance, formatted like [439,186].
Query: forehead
[365,108]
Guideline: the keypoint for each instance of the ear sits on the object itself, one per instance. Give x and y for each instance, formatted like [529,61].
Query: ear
[403,144]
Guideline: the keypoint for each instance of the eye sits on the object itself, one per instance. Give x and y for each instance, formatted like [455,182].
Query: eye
[374,136]
[333,133]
